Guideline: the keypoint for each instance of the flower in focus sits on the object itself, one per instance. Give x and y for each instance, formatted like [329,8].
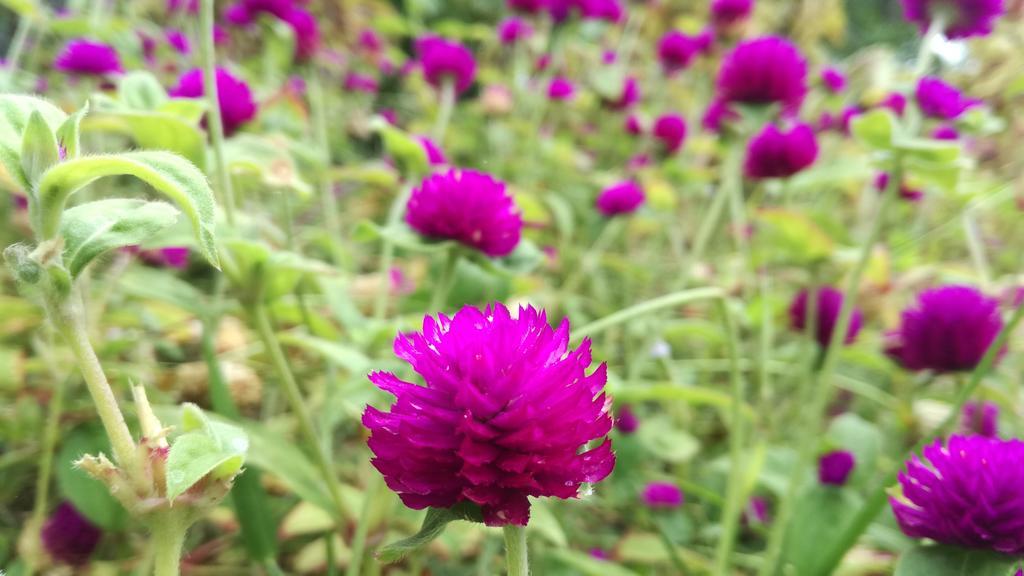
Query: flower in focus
[676,50]
[233,95]
[561,88]
[629,96]
[446,60]
[835,467]
[728,12]
[833,79]
[670,130]
[938,99]
[949,330]
[907,193]
[662,495]
[765,70]
[504,411]
[627,422]
[981,418]
[774,153]
[85,57]
[622,198]
[469,207]
[829,302]
[68,536]
[962,18]
[512,30]
[964,492]
[435,156]
[356,82]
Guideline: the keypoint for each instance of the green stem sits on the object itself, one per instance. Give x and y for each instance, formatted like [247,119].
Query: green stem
[648,307]
[290,387]
[318,116]
[15,50]
[725,192]
[168,542]
[363,527]
[213,123]
[735,494]
[925,53]
[51,433]
[444,284]
[387,255]
[593,254]
[444,111]
[976,247]
[515,550]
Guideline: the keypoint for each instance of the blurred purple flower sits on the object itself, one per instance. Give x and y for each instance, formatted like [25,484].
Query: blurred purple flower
[233,95]
[633,126]
[764,70]
[607,10]
[670,130]
[965,492]
[676,50]
[946,132]
[835,467]
[906,193]
[833,79]
[627,422]
[356,82]
[756,512]
[306,31]
[446,59]
[775,153]
[728,12]
[662,495]
[949,330]
[896,102]
[981,418]
[629,96]
[502,417]
[238,14]
[435,156]
[622,198]
[469,207]
[370,40]
[169,257]
[716,115]
[829,301]
[963,18]
[560,89]
[600,554]
[527,6]
[68,536]
[179,41]
[189,6]
[512,30]
[938,99]
[86,57]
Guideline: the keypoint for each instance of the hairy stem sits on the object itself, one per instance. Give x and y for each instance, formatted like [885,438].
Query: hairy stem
[515,550]
[168,542]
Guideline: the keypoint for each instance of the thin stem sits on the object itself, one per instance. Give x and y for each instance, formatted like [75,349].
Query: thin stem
[976,247]
[318,116]
[363,527]
[387,255]
[444,284]
[444,111]
[15,50]
[515,550]
[648,307]
[925,53]
[51,434]
[593,254]
[734,496]
[213,123]
[713,218]
[290,387]
[168,542]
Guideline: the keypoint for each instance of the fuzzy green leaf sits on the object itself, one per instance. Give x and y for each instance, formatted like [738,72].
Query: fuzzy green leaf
[94,228]
[207,447]
[155,131]
[875,129]
[69,131]
[950,561]
[141,90]
[15,110]
[404,149]
[39,148]
[433,525]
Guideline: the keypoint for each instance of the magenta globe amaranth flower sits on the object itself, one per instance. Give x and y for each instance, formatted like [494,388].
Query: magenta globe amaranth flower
[560,89]
[607,10]
[829,303]
[670,130]
[633,125]
[965,492]
[677,50]
[662,495]
[948,330]
[981,418]
[896,102]
[938,99]
[88,58]
[68,537]
[446,61]
[728,12]
[527,6]
[505,409]
[626,421]
[306,32]
[833,79]
[961,18]
[512,30]
[629,96]
[775,153]
[469,207]
[621,198]
[835,467]
[356,82]
[717,115]
[233,95]
[435,156]
[946,132]
[765,70]
[906,192]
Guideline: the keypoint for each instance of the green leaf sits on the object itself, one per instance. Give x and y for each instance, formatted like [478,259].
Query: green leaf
[24,8]
[433,525]
[931,151]
[406,151]
[590,566]
[142,91]
[168,173]
[819,510]
[347,357]
[90,230]
[89,496]
[666,442]
[875,129]
[400,235]
[190,110]
[147,283]
[544,522]
[214,448]
[950,561]
[268,159]
[69,131]
[15,111]
[789,237]
[39,148]
[153,130]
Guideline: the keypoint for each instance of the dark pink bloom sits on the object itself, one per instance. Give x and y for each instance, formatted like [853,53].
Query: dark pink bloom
[846,119]
[189,6]
[469,207]
[170,257]
[633,126]
[236,103]
[965,492]
[670,130]
[179,41]
[622,198]
[435,155]
[306,31]
[756,512]
[629,97]
[835,467]
[727,12]
[896,102]
[830,301]
[717,113]
[609,57]
[149,46]
[400,283]
[775,153]
[446,60]
[88,58]
[600,554]
[356,82]
[512,30]
[607,10]
[527,6]
[627,422]
[907,193]
[560,88]
[833,79]
[370,41]
[765,70]
[238,14]
[981,418]
[938,99]
[676,50]
[662,495]
[964,18]
[946,132]
[542,63]
[505,409]
[68,537]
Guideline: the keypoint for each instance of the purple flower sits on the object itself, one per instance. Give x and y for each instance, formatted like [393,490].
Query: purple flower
[629,96]
[512,30]
[676,50]
[622,198]
[727,12]
[964,18]
[948,330]
[627,422]
[774,153]
[356,82]
[765,70]
[938,99]
[833,79]
[600,554]
[718,112]
[446,60]
[189,6]
[607,10]
[469,207]
[560,88]
[670,130]
[238,14]
[848,114]
[370,41]
[945,132]
[907,193]
[633,126]
[981,418]
[756,512]
[306,31]
[505,409]
[662,495]
[179,41]
[896,102]
[233,95]
[170,257]
[965,493]
[86,57]
[435,156]
[68,536]
[829,302]
[835,467]
[527,6]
